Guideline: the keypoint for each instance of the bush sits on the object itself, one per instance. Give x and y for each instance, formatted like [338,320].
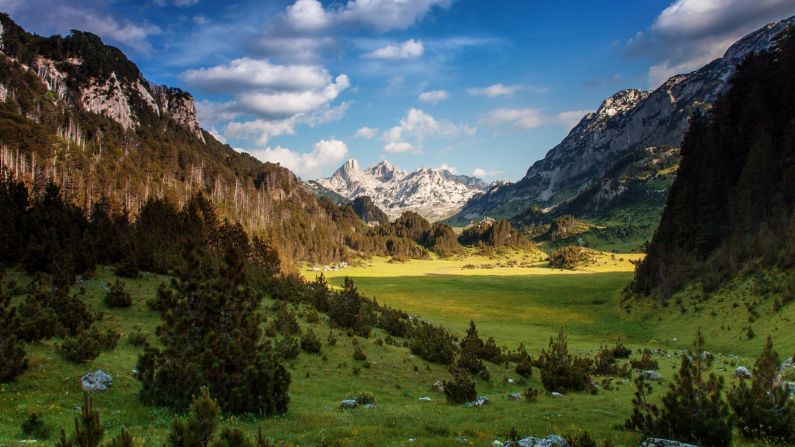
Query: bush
[580,439]
[288,347]
[764,410]
[358,354]
[605,364]
[118,296]
[40,322]
[620,351]
[568,257]
[645,362]
[14,358]
[137,337]
[310,342]
[524,367]
[285,322]
[83,347]
[561,371]
[349,310]
[433,344]
[35,427]
[530,394]
[461,388]
[109,340]
[365,399]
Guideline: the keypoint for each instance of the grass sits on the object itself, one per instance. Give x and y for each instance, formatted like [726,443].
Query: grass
[510,302]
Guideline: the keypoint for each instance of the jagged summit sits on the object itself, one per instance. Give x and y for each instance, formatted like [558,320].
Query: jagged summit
[431,192]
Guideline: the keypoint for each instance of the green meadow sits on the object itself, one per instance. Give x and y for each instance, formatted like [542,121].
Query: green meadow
[521,301]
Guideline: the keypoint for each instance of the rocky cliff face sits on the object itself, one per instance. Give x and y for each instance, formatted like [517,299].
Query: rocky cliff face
[627,122]
[80,70]
[432,193]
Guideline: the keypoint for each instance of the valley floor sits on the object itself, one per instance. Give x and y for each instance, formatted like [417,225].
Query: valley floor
[513,304]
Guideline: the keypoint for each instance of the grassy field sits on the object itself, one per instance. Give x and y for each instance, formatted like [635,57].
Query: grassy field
[510,302]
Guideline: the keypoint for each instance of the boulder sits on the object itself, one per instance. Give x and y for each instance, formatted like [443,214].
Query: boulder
[741,372]
[424,399]
[555,394]
[98,380]
[652,375]
[438,386]
[549,441]
[349,404]
[515,396]
[479,402]
[657,442]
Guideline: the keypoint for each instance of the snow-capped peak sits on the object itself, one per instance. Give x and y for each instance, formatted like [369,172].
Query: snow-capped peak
[432,193]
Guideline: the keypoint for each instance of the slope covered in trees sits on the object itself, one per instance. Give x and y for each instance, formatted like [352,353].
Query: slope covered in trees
[731,205]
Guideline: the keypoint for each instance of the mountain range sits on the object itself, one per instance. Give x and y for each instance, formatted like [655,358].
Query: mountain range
[587,167]
[432,193]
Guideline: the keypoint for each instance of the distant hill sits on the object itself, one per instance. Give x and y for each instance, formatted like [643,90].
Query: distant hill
[368,211]
[732,205]
[432,193]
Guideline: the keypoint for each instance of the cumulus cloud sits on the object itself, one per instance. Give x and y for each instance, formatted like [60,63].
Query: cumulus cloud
[368,133]
[57,16]
[690,33]
[325,155]
[288,103]
[307,15]
[410,49]
[246,73]
[482,173]
[416,126]
[529,118]
[433,96]
[495,90]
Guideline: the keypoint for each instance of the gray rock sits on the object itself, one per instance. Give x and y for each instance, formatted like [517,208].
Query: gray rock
[742,373]
[657,442]
[549,441]
[438,386]
[654,376]
[98,380]
[555,394]
[496,443]
[349,404]
[515,396]
[424,399]
[479,402]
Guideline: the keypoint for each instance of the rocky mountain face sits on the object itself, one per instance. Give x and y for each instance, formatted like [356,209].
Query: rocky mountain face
[81,70]
[432,193]
[629,122]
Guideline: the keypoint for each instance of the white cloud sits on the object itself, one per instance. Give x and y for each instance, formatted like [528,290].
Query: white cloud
[260,130]
[420,125]
[387,15]
[410,49]
[200,19]
[529,118]
[495,90]
[286,103]
[307,15]
[433,96]
[246,73]
[325,155]
[690,33]
[368,133]
[448,168]
[481,173]
[396,147]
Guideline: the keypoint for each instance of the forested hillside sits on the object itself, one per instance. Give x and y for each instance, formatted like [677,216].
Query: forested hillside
[731,205]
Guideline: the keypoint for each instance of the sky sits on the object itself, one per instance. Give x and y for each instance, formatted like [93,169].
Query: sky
[480,88]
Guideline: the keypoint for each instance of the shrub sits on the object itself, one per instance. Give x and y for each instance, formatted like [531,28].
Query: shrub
[568,257]
[14,358]
[288,347]
[524,367]
[433,344]
[331,340]
[561,371]
[763,410]
[394,322]
[285,322]
[118,296]
[461,388]
[580,439]
[365,399]
[88,427]
[605,364]
[530,394]
[40,322]
[83,347]
[645,362]
[620,351]
[312,317]
[35,427]
[137,337]
[349,310]
[491,352]
[310,342]
[358,354]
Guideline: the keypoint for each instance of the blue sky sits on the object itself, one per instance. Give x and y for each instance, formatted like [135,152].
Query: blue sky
[483,88]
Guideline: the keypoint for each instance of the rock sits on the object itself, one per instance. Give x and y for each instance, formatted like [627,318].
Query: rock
[556,394]
[496,443]
[515,396]
[549,441]
[654,376]
[742,373]
[509,380]
[479,402]
[349,404]
[424,399]
[98,380]
[438,386]
[657,442]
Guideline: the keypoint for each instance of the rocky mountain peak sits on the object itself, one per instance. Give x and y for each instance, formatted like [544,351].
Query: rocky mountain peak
[621,102]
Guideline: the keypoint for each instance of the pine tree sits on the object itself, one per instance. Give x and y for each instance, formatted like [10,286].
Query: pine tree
[88,427]
[693,409]
[470,350]
[644,414]
[198,428]
[560,370]
[764,409]
[14,358]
